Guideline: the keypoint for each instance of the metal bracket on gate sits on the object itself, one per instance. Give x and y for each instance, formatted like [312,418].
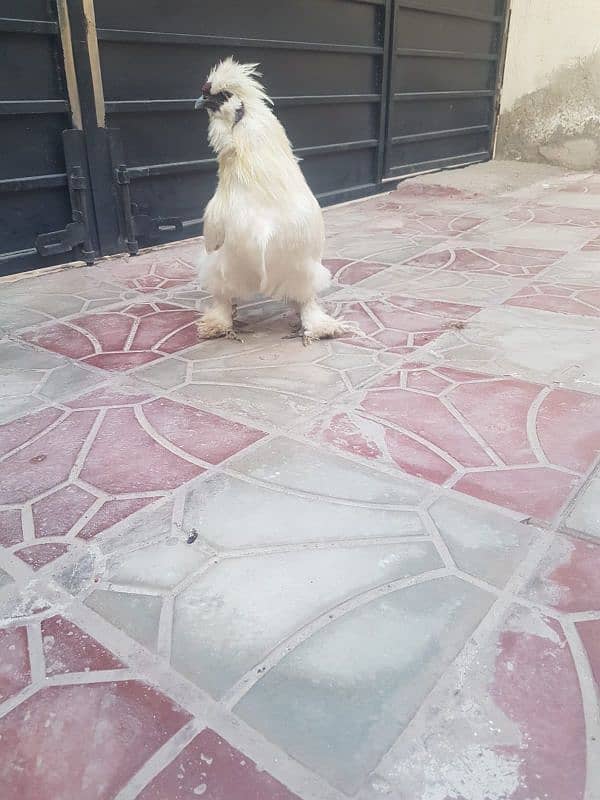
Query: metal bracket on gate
[77,233]
[140,225]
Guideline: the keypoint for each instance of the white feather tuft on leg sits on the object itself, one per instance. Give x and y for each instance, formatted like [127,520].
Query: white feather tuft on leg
[217,321]
[317,324]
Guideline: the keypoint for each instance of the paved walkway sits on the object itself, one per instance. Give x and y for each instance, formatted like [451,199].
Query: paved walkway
[368,568]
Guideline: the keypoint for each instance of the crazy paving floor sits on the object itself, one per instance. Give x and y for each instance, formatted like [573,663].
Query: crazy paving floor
[367,568]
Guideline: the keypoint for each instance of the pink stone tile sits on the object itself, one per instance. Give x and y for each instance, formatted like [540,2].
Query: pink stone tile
[422,221]
[539,492]
[568,429]
[15,673]
[156,329]
[111,330]
[562,299]
[346,433]
[576,217]
[426,381]
[46,462]
[507,434]
[109,398]
[56,513]
[121,443]
[38,555]
[69,649]
[209,767]
[199,433]
[589,630]
[14,434]
[63,339]
[121,362]
[503,440]
[510,261]
[568,578]
[124,338]
[158,271]
[428,192]
[537,688]
[83,741]
[111,512]
[11,531]
[353,273]
[426,417]
[334,265]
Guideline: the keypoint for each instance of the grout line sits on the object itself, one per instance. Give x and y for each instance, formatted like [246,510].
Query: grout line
[160,760]
[37,661]
[165,628]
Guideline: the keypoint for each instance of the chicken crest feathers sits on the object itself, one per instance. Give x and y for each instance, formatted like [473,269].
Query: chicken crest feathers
[239,79]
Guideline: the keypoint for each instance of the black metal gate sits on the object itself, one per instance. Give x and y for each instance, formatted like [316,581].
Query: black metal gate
[368,90]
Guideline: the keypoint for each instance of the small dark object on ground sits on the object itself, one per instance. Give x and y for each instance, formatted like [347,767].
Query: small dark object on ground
[192,537]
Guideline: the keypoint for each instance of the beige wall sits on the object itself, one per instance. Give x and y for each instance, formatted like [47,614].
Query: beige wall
[550,107]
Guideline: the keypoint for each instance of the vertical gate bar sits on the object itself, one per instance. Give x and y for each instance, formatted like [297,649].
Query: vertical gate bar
[91,96]
[385,107]
[391,89]
[69,63]
[94,56]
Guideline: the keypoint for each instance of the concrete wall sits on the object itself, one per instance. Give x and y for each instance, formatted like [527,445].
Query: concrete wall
[550,109]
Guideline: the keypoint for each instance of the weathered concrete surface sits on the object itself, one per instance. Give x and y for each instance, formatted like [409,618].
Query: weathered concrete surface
[366,569]
[558,123]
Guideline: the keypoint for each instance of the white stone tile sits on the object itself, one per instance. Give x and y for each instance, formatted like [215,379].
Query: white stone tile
[525,343]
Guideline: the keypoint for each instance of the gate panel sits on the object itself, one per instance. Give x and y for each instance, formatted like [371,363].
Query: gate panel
[323,62]
[445,58]
[368,90]
[34,195]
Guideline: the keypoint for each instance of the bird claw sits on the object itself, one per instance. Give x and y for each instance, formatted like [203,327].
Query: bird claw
[233,336]
[308,338]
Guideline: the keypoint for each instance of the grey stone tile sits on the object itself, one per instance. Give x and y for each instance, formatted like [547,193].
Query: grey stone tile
[526,343]
[259,515]
[585,514]
[576,268]
[25,372]
[341,699]
[257,406]
[136,614]
[159,566]
[470,288]
[232,616]
[507,232]
[295,465]
[482,542]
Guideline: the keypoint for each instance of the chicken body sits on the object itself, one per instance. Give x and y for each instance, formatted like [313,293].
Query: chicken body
[263,228]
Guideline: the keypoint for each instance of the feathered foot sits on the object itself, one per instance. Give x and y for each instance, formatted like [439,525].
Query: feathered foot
[217,323]
[316,324]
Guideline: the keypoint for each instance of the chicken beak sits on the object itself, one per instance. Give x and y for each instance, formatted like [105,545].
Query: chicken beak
[199,104]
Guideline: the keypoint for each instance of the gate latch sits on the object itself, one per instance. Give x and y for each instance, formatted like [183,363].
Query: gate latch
[77,233]
[139,225]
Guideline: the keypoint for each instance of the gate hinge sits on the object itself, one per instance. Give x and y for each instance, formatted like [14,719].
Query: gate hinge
[140,225]
[77,233]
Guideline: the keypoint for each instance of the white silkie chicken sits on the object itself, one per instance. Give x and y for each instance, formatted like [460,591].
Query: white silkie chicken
[263,228]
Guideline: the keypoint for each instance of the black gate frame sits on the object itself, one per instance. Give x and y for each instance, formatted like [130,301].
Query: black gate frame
[106,221]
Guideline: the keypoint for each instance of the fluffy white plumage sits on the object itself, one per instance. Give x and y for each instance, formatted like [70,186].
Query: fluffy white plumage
[263,228]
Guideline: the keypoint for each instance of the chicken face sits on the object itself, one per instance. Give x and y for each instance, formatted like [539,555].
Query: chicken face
[212,102]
